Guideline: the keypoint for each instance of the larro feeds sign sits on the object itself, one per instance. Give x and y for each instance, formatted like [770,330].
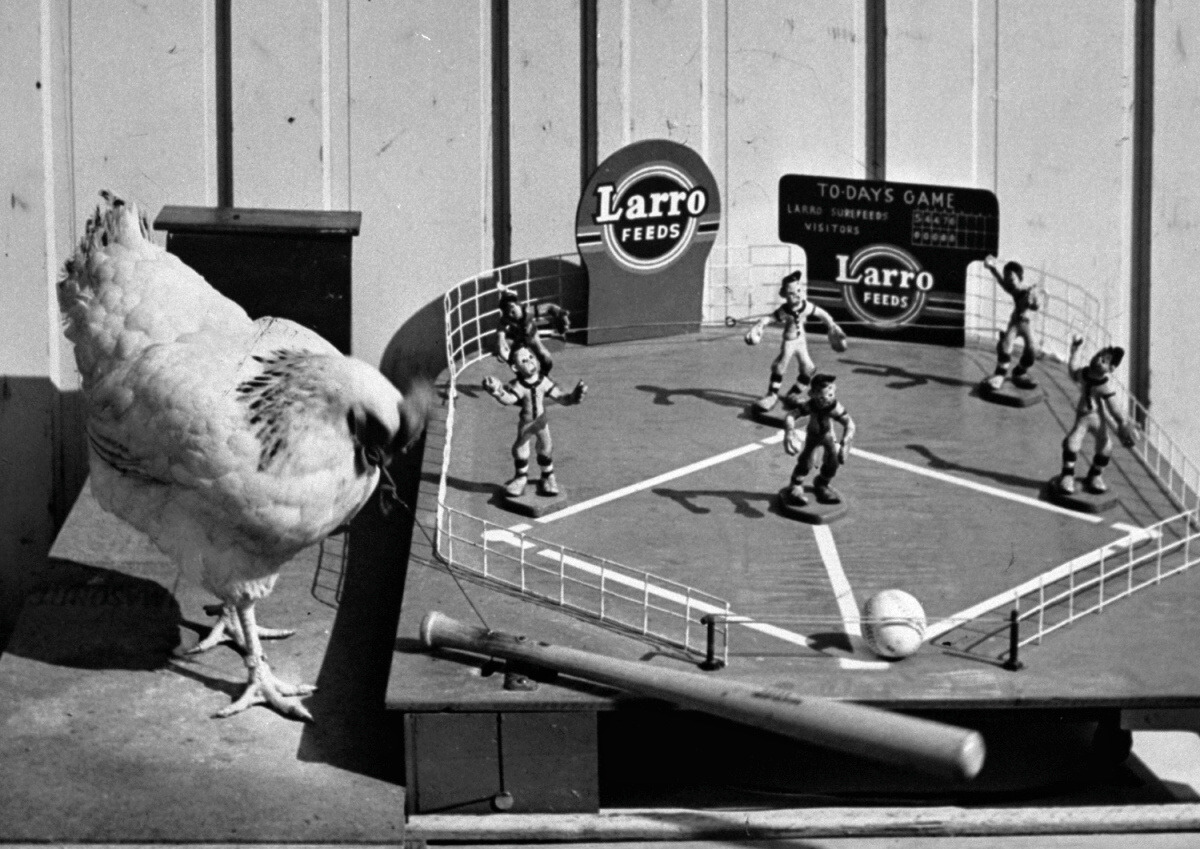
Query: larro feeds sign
[889,258]
[644,227]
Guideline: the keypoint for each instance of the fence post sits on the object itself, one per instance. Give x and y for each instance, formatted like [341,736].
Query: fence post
[562,576]
[1070,596]
[1041,607]
[645,602]
[485,550]
[710,654]
[1014,641]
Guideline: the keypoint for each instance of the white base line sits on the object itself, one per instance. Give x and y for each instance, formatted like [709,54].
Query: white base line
[847,606]
[978,487]
[663,478]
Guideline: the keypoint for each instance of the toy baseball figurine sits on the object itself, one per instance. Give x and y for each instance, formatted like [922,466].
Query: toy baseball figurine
[792,314]
[530,389]
[1025,300]
[521,324]
[1096,411]
[823,409]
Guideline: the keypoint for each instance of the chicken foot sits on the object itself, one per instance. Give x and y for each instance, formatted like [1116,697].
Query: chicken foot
[227,627]
[262,687]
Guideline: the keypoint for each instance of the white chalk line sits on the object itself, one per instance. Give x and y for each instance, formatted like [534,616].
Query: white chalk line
[978,487]
[846,603]
[660,479]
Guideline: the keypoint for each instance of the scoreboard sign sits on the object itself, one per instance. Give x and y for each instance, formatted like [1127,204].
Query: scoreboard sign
[889,258]
[644,227]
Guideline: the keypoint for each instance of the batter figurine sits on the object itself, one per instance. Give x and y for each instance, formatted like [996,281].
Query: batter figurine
[1097,408]
[530,389]
[1025,300]
[792,314]
[521,324]
[823,409]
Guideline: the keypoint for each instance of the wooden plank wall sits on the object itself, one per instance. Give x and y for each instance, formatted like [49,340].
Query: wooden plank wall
[386,108]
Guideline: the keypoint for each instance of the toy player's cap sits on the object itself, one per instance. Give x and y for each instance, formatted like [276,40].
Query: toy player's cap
[521,346]
[507,296]
[1115,354]
[794,277]
[820,381]
[1014,267]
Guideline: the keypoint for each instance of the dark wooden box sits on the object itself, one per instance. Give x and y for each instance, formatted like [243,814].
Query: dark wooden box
[293,264]
[510,761]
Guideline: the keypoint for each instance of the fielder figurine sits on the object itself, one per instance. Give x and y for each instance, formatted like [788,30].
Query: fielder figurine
[1025,300]
[792,314]
[822,409]
[522,324]
[1096,413]
[530,389]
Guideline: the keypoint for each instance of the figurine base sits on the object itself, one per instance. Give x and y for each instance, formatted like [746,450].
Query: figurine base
[774,417]
[1081,500]
[531,503]
[814,512]
[1011,396]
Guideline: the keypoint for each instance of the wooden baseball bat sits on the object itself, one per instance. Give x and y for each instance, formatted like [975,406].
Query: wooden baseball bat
[893,738]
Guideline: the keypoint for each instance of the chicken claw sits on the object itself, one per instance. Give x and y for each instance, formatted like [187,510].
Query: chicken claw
[264,688]
[227,627]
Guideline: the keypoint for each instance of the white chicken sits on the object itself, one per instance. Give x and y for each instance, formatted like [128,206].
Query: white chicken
[232,443]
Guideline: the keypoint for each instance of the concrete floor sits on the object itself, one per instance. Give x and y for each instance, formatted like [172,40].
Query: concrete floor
[106,728]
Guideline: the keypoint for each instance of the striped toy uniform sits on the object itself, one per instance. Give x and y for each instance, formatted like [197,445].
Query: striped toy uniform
[533,425]
[795,342]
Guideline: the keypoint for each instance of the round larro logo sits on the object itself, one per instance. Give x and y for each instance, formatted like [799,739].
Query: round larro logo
[649,218]
[884,285]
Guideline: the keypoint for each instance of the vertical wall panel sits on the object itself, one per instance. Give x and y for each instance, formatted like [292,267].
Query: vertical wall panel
[544,80]
[1175,310]
[613,66]
[419,89]
[792,106]
[1063,143]
[930,92]
[650,59]
[664,80]
[139,78]
[27,329]
[278,108]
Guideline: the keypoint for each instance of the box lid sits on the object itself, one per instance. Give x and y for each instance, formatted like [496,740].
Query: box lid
[232,219]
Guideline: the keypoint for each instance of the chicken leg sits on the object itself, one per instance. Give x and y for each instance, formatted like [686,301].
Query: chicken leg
[227,627]
[262,687]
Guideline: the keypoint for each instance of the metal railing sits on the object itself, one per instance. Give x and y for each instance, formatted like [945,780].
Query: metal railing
[1105,576]
[597,588]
